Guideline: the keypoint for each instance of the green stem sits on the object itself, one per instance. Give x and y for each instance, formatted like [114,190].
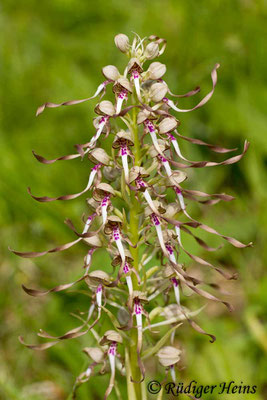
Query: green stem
[134,232]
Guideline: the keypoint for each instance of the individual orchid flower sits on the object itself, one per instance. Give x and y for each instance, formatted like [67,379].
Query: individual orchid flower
[94,171]
[152,131]
[113,227]
[92,175]
[107,110]
[117,238]
[97,280]
[127,270]
[165,164]
[100,88]
[168,357]
[155,220]
[121,88]
[180,197]
[138,311]
[102,193]
[135,69]
[112,338]
[88,259]
[176,146]
[171,274]
[123,141]
[104,206]
[171,104]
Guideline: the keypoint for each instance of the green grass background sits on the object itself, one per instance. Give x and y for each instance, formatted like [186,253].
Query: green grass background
[53,50]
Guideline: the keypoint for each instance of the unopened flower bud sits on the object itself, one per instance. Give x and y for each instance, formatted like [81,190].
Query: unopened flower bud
[120,84]
[93,241]
[97,277]
[111,72]
[171,210]
[111,336]
[122,138]
[167,125]
[177,177]
[157,91]
[122,42]
[117,258]
[168,355]
[151,51]
[94,353]
[134,65]
[123,316]
[111,173]
[102,190]
[140,296]
[162,145]
[173,310]
[105,107]
[168,272]
[142,116]
[112,222]
[158,205]
[92,204]
[156,70]
[99,155]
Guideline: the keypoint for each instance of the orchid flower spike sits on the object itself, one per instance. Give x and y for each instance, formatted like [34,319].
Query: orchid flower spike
[137,211]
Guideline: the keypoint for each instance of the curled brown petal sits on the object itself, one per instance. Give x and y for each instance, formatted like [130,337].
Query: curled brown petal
[68,335]
[159,41]
[232,241]
[187,277]
[188,94]
[209,95]
[73,333]
[204,262]
[200,241]
[69,223]
[42,346]
[42,253]
[40,109]
[45,199]
[202,292]
[221,196]
[202,164]
[215,148]
[59,288]
[125,110]
[197,327]
[209,202]
[184,278]
[45,161]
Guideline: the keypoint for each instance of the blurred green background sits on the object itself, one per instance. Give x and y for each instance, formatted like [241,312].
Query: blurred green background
[54,50]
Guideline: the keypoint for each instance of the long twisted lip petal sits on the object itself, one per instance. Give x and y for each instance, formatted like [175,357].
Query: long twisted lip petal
[176,292]
[121,250]
[125,166]
[71,102]
[111,357]
[173,375]
[104,213]
[46,161]
[44,199]
[205,99]
[98,133]
[129,284]
[137,87]
[42,253]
